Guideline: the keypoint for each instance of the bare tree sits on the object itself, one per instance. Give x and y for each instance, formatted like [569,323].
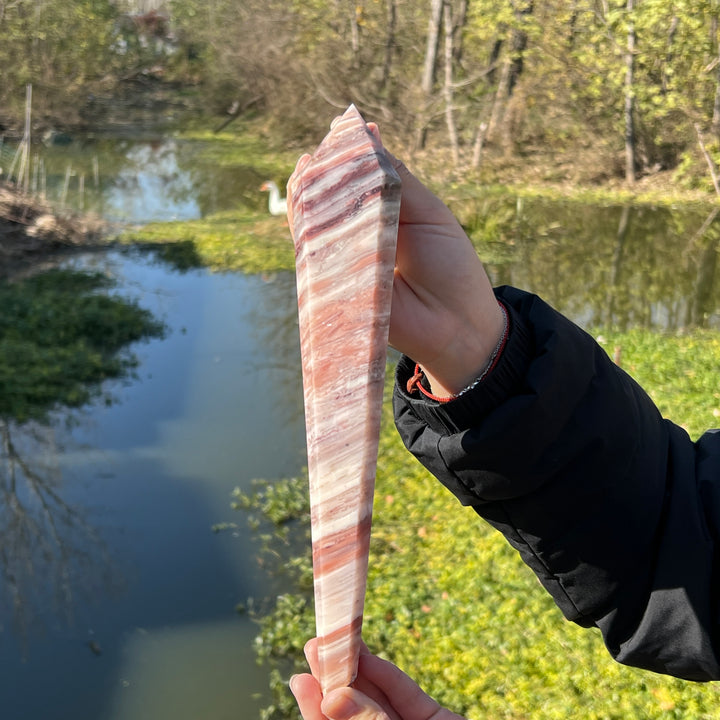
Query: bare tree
[46,541]
[715,124]
[458,27]
[389,42]
[448,83]
[630,97]
[429,68]
[511,68]
[353,10]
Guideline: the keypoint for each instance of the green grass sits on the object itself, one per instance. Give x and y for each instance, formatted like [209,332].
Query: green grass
[452,603]
[243,144]
[232,240]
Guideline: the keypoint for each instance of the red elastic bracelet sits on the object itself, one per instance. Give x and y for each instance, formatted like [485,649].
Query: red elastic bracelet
[415,382]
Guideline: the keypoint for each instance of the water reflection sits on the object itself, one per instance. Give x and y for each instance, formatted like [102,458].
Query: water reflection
[142,180]
[115,521]
[197,670]
[51,555]
[619,266]
[151,186]
[131,594]
[602,264]
[62,334]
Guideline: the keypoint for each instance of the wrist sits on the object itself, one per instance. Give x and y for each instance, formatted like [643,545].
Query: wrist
[464,372]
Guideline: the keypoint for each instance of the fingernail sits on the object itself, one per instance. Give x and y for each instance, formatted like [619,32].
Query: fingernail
[291,683]
[340,706]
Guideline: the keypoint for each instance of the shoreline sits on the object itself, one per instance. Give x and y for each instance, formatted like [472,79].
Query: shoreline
[32,230]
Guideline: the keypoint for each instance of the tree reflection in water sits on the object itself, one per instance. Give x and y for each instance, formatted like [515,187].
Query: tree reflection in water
[604,265]
[61,335]
[48,550]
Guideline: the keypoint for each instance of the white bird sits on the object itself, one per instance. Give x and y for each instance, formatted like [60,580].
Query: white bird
[276,204]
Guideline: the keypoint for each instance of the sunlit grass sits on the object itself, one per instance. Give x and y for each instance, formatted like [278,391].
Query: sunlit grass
[452,603]
[226,241]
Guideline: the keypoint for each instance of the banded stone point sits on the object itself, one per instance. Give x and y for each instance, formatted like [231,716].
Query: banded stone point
[345,205]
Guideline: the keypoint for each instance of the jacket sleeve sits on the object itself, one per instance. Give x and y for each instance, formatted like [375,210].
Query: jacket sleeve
[613,507]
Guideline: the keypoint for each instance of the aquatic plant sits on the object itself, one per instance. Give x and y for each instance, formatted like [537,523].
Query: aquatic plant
[230,240]
[452,603]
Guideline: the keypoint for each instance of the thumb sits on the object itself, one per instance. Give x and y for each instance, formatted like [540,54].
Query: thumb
[419,204]
[350,704]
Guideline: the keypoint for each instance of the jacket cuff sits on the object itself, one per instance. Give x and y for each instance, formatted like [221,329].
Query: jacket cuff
[466,411]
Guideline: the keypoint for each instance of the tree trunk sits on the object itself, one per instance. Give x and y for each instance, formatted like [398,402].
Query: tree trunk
[429,67]
[483,126]
[494,58]
[708,159]
[617,263]
[448,83]
[512,68]
[572,28]
[674,24]
[629,97]
[479,144]
[501,94]
[518,45]
[432,45]
[458,28]
[715,124]
[702,304]
[354,33]
[716,106]
[389,42]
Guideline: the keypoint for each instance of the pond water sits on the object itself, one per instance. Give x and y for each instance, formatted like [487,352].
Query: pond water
[139,180]
[137,617]
[131,616]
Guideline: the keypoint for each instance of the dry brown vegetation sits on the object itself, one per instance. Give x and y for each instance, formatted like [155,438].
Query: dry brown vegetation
[30,228]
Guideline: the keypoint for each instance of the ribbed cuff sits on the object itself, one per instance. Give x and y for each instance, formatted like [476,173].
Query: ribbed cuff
[471,407]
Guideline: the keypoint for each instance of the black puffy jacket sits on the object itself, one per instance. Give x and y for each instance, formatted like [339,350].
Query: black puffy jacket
[615,509]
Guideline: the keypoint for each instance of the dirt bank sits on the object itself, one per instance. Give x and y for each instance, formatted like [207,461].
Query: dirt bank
[31,230]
